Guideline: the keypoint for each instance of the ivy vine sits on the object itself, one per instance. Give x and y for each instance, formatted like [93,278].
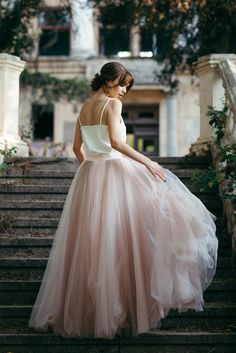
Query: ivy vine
[223,175]
[218,121]
[52,88]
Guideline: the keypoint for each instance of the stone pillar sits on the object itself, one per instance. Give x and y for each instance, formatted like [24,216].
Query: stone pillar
[83,35]
[171,126]
[10,70]
[135,41]
[211,93]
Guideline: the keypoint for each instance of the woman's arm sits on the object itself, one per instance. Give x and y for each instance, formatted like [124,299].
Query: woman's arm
[78,144]
[113,119]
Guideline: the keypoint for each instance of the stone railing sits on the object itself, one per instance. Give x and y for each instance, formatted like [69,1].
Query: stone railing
[10,70]
[227,72]
[217,82]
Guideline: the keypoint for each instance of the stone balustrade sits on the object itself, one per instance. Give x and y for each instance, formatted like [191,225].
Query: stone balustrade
[217,83]
[217,76]
[10,70]
[227,72]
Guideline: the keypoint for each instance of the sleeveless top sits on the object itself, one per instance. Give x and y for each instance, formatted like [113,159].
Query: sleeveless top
[96,140]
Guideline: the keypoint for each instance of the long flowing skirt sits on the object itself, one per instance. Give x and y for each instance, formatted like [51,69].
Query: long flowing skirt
[128,248]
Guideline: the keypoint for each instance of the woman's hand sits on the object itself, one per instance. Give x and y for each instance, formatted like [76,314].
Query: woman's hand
[156,169]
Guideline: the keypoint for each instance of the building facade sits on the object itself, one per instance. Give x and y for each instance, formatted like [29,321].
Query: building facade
[158,121]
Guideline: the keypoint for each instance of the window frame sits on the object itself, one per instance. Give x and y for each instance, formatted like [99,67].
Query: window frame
[52,27]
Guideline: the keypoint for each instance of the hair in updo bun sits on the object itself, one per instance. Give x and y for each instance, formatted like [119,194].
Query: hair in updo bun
[97,82]
[110,72]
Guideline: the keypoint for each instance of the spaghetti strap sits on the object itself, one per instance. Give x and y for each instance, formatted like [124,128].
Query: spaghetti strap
[103,110]
[79,120]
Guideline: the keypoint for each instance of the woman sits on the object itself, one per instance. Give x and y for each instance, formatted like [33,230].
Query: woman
[132,242]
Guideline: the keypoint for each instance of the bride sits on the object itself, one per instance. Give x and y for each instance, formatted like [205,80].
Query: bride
[132,242]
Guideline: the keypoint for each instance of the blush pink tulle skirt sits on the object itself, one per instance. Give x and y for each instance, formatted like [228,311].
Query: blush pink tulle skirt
[128,248]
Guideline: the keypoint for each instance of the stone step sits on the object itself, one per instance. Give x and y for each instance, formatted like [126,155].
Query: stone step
[51,212]
[152,342]
[49,224]
[213,203]
[31,268]
[214,315]
[31,181]
[21,197]
[15,187]
[31,226]
[211,198]
[40,246]
[35,189]
[54,211]
[25,292]
[26,163]
[19,233]
[35,176]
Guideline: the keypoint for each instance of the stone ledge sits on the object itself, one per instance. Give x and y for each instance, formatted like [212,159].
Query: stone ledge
[155,337]
[216,285]
[22,262]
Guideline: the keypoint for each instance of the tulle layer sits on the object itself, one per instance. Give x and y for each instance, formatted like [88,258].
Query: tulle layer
[128,248]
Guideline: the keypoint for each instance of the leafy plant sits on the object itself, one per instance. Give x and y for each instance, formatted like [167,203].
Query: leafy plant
[6,153]
[205,180]
[218,121]
[223,175]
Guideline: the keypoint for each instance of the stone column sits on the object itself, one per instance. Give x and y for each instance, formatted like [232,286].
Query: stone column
[171,126]
[135,41]
[10,70]
[211,93]
[83,34]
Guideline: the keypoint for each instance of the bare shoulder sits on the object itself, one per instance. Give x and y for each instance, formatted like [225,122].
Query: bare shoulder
[114,111]
[85,110]
[115,104]
[85,105]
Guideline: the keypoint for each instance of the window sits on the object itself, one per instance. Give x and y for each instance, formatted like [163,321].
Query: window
[148,43]
[114,40]
[55,37]
[114,36]
[142,123]
[42,122]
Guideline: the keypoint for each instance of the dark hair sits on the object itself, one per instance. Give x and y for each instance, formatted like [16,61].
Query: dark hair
[110,72]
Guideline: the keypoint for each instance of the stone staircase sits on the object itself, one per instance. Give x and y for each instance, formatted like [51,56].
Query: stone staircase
[32,194]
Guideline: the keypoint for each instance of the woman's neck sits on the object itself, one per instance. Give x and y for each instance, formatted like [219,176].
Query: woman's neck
[100,94]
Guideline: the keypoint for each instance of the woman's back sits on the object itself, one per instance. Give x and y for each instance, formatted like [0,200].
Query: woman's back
[95,132]
[94,112]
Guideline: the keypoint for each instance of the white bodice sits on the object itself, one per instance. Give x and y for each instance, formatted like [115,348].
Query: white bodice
[96,140]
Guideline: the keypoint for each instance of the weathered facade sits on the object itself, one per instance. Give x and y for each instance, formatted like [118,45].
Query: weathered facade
[158,122]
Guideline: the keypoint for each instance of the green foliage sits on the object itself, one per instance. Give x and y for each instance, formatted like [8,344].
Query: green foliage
[205,180]
[217,27]
[6,153]
[222,177]
[224,174]
[15,17]
[15,21]
[218,121]
[15,38]
[185,30]
[52,88]
[226,170]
